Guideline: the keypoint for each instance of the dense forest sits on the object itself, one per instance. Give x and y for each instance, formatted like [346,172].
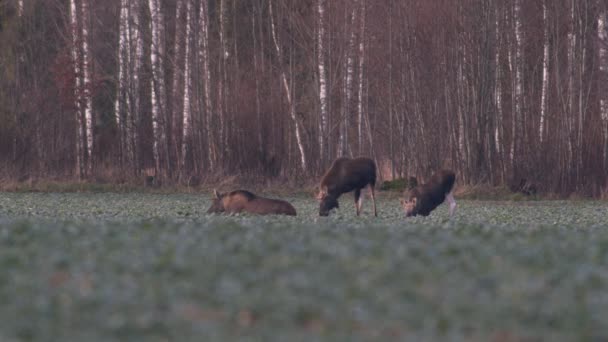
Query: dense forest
[117,89]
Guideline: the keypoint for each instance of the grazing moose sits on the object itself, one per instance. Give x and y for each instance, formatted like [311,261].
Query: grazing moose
[239,201]
[346,175]
[424,198]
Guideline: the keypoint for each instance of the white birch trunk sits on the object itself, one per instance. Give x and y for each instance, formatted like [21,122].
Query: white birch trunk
[154,95]
[545,86]
[204,62]
[498,134]
[122,42]
[322,79]
[602,28]
[222,94]
[361,78]
[176,82]
[74,23]
[157,86]
[350,71]
[461,108]
[19,8]
[292,111]
[122,103]
[187,88]
[136,59]
[571,73]
[602,32]
[518,79]
[86,74]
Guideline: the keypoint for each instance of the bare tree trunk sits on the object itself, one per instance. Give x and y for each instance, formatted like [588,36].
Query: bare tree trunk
[499,131]
[292,110]
[19,8]
[204,62]
[572,43]
[581,98]
[121,103]
[348,89]
[187,114]
[222,81]
[157,86]
[545,86]
[602,32]
[361,77]
[136,61]
[323,122]
[76,58]
[86,75]
[518,81]
[390,87]
[256,74]
[177,82]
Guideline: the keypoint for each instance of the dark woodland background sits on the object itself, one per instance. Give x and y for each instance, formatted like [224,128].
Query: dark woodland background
[498,90]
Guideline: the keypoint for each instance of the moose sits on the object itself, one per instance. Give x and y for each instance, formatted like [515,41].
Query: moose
[424,198]
[346,175]
[239,201]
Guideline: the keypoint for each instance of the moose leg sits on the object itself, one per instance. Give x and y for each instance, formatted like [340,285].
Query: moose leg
[358,201]
[371,187]
[452,203]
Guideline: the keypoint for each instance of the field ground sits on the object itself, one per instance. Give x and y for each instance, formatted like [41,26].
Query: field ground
[155,267]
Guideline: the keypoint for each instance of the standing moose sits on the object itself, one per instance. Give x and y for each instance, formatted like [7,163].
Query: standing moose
[346,175]
[424,198]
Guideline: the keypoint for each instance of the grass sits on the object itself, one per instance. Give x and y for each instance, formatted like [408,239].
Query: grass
[155,267]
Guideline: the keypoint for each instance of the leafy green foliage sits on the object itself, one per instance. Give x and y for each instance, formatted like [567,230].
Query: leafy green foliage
[156,267]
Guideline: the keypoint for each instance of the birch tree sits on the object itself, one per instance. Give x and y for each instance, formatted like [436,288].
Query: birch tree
[177,82]
[157,89]
[87,85]
[222,87]
[187,112]
[517,134]
[322,81]
[349,75]
[572,43]
[121,103]
[361,57]
[545,76]
[128,102]
[203,55]
[290,103]
[499,131]
[76,60]
[602,33]
[136,62]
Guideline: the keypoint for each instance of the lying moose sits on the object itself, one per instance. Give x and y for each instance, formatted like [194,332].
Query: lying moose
[423,199]
[346,175]
[243,201]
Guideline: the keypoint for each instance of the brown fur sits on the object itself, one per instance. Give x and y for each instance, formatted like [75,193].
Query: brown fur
[243,201]
[424,198]
[346,175]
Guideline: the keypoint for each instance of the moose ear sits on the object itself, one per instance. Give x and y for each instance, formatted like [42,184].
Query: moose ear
[216,194]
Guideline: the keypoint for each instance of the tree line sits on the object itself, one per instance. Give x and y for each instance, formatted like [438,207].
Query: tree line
[496,90]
